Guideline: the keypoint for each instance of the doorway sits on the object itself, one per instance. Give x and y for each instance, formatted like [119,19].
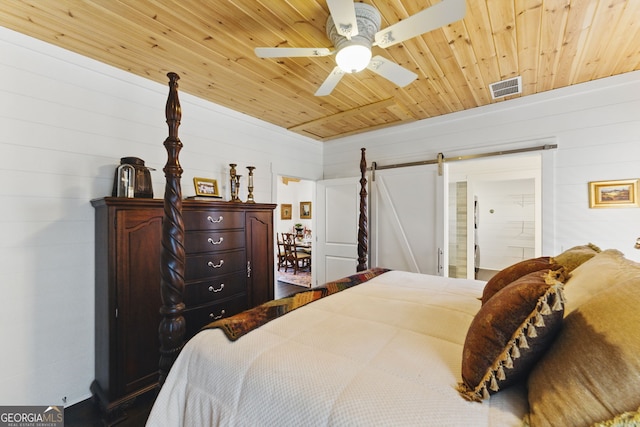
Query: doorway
[494,214]
[294,214]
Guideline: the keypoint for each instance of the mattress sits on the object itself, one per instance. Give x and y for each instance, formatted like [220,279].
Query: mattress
[385,352]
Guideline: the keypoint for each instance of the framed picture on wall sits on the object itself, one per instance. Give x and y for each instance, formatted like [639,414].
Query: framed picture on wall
[305,210]
[206,187]
[613,194]
[285,211]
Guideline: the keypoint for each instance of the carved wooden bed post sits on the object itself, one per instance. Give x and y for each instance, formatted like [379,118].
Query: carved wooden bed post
[362,222]
[172,326]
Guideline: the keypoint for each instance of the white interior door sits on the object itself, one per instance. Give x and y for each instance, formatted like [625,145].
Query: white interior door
[337,211]
[408,219]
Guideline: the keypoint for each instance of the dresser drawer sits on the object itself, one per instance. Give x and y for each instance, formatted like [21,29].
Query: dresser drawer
[212,220]
[205,291]
[214,264]
[208,241]
[198,317]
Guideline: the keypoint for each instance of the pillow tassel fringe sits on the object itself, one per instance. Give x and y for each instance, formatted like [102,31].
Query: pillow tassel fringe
[485,393]
[532,332]
[508,361]
[522,340]
[545,310]
[558,304]
[493,383]
[515,351]
[500,373]
[539,320]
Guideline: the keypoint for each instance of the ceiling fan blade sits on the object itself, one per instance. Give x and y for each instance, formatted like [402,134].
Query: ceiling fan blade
[343,13]
[330,82]
[281,52]
[391,71]
[436,16]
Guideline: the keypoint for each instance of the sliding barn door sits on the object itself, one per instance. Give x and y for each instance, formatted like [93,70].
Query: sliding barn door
[408,219]
[337,210]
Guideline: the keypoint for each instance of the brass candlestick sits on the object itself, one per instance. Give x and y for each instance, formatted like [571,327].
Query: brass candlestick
[250,180]
[236,189]
[232,177]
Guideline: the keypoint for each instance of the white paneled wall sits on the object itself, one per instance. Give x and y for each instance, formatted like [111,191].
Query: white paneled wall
[596,126]
[66,121]
[506,231]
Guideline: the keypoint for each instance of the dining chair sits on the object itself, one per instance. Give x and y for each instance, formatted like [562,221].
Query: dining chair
[298,260]
[282,257]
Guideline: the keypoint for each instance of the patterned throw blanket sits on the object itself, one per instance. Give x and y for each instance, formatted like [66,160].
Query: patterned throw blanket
[242,323]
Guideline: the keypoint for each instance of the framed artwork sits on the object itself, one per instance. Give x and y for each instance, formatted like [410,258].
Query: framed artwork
[613,194]
[285,211]
[206,187]
[305,210]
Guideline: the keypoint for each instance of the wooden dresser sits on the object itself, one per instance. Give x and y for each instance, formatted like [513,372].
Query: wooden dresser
[229,267]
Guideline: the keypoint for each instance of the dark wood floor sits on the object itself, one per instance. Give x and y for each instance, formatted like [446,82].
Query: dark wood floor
[86,414]
[284,289]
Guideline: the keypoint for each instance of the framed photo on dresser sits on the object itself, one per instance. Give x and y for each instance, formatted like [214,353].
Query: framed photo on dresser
[206,187]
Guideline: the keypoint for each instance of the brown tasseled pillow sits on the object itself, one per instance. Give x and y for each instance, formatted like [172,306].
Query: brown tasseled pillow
[507,275]
[510,333]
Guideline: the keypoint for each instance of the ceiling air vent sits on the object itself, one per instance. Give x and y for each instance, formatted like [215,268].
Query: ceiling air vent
[506,87]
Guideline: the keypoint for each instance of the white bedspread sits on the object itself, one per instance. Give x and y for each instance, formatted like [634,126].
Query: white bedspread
[385,352]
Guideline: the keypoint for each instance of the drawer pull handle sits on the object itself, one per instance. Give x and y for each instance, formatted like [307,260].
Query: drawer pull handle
[212,289]
[212,265]
[214,317]
[215,221]
[220,240]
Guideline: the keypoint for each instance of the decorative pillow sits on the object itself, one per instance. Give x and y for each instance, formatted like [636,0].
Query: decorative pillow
[600,272]
[573,257]
[509,334]
[592,371]
[514,272]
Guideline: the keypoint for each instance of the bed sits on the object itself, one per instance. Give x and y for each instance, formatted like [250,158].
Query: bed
[548,341]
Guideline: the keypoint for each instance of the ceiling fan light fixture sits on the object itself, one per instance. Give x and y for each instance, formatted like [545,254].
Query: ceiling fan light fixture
[353,48]
[353,58]
[354,53]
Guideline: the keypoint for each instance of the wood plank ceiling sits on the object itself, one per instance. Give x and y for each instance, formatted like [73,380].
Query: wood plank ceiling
[549,43]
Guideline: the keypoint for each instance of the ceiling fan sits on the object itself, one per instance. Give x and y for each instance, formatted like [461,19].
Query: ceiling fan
[354,28]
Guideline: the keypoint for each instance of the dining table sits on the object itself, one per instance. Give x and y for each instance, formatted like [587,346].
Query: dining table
[303,245]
